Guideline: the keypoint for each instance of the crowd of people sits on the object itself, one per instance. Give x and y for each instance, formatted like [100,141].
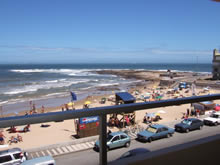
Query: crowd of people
[126,120]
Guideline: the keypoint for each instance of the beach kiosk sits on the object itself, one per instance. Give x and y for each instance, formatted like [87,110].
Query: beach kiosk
[124,98]
[87,126]
[204,106]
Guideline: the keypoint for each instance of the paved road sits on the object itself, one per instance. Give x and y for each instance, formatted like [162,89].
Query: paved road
[91,157]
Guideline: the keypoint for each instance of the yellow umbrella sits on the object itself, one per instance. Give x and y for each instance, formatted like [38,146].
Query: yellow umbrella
[88,102]
[157,114]
[70,104]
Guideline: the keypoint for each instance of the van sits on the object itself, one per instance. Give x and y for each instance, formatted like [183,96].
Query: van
[12,156]
[44,160]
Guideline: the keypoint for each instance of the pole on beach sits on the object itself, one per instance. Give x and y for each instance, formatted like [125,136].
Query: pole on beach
[1,109]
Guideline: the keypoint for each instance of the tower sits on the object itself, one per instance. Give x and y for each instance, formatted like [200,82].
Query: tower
[216,65]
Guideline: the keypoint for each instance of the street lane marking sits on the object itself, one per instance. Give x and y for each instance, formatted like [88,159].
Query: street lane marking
[37,154]
[59,150]
[64,149]
[69,148]
[31,155]
[43,153]
[89,144]
[79,146]
[74,147]
[84,146]
[49,153]
[54,151]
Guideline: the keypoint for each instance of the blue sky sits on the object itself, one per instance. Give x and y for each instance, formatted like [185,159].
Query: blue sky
[108,31]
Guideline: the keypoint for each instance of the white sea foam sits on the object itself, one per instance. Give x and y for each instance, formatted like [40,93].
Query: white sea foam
[3,102]
[52,81]
[54,94]
[42,85]
[61,71]
[107,84]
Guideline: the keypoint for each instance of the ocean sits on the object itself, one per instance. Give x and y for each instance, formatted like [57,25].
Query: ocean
[50,84]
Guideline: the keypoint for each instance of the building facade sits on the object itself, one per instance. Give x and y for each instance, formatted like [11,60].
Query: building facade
[216,65]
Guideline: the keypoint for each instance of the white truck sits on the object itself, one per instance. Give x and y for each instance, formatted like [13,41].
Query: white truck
[213,119]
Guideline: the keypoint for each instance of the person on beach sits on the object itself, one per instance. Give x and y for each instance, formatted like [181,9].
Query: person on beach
[34,108]
[13,129]
[109,131]
[197,113]
[19,137]
[2,140]
[187,112]
[66,106]
[12,140]
[26,128]
[42,109]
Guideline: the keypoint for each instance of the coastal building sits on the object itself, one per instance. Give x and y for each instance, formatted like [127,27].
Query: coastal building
[216,65]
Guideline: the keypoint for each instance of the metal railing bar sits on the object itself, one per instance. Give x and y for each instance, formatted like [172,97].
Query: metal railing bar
[102,140]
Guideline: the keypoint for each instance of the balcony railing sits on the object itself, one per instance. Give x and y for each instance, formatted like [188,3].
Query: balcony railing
[101,112]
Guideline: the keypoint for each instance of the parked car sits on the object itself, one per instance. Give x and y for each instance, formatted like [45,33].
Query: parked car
[134,152]
[12,156]
[115,140]
[189,124]
[155,131]
[44,160]
[213,119]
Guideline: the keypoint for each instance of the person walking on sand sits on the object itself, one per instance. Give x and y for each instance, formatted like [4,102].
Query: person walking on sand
[197,113]
[2,140]
[42,109]
[187,112]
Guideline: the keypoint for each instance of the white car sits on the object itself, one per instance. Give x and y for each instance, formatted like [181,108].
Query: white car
[13,156]
[213,119]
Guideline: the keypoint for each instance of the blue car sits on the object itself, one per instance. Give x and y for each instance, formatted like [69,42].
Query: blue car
[115,140]
[154,132]
[189,124]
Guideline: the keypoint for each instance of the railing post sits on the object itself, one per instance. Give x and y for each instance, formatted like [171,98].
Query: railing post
[102,140]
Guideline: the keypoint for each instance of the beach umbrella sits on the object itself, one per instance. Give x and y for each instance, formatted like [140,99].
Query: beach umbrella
[157,114]
[70,104]
[150,114]
[148,94]
[87,102]
[161,111]
[217,108]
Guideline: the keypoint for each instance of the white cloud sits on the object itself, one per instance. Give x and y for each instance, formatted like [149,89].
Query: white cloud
[181,52]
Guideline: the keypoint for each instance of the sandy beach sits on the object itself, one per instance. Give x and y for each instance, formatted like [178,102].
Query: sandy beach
[152,81]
